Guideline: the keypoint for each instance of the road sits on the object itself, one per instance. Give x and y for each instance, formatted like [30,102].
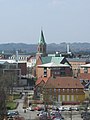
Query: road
[29,115]
[75,116]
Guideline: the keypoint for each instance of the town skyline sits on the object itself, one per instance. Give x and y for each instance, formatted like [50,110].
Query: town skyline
[61,20]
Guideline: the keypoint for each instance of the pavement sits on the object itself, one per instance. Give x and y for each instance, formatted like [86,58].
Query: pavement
[28,115]
[32,115]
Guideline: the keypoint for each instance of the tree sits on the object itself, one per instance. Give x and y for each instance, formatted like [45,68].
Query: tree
[25,103]
[5,84]
[3,109]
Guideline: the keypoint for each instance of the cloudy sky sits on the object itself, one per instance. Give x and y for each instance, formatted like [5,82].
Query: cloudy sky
[61,21]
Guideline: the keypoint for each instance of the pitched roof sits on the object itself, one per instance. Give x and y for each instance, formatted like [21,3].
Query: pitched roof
[53,59]
[42,40]
[63,82]
[46,59]
[49,65]
[86,65]
[2,61]
[87,85]
[57,60]
[39,80]
[76,59]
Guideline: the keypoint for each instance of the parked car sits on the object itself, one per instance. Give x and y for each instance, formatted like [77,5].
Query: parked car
[61,108]
[30,108]
[56,115]
[85,114]
[40,113]
[39,108]
[45,116]
[12,114]
[58,119]
[75,108]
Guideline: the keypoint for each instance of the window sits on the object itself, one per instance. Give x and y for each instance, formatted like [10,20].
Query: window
[59,90]
[76,90]
[45,69]
[55,73]
[54,90]
[67,90]
[45,72]
[62,71]
[72,90]
[85,70]
[63,90]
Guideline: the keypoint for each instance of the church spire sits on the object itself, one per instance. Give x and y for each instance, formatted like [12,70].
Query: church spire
[42,44]
[42,39]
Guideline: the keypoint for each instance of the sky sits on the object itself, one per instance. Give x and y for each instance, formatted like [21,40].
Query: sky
[61,20]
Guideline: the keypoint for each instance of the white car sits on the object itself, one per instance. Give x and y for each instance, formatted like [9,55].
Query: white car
[75,108]
[30,108]
[67,108]
[61,108]
[40,113]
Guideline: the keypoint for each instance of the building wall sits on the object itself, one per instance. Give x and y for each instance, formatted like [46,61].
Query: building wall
[40,72]
[84,70]
[88,70]
[53,71]
[23,67]
[31,62]
[38,62]
[76,65]
[64,96]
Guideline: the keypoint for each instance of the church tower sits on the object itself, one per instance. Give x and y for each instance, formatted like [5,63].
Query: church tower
[41,49]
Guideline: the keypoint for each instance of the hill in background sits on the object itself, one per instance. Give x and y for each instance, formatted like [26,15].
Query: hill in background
[32,48]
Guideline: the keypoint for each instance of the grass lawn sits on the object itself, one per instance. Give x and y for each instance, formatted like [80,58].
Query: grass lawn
[11,105]
[16,96]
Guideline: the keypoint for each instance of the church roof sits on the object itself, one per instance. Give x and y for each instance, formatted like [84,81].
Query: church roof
[42,39]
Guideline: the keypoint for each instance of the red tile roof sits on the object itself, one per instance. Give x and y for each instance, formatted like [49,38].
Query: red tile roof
[63,82]
[39,80]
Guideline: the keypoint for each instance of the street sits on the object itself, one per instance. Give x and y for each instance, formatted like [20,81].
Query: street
[75,116]
[32,115]
[29,115]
